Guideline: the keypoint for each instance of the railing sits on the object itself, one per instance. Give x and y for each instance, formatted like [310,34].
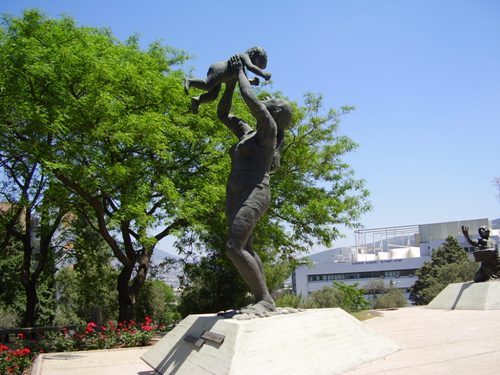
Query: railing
[31,332]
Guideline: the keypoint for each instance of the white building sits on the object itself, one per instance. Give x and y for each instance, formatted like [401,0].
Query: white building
[392,254]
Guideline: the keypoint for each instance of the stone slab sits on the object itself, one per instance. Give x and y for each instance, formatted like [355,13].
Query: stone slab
[319,341]
[468,296]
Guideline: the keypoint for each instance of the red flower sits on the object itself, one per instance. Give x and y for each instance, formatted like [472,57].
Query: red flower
[20,336]
[21,352]
[90,327]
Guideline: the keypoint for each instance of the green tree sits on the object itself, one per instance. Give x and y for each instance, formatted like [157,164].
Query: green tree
[156,300]
[67,311]
[375,288]
[449,264]
[109,121]
[33,206]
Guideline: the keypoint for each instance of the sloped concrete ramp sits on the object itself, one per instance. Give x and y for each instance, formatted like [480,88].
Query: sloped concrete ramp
[323,341]
[468,296]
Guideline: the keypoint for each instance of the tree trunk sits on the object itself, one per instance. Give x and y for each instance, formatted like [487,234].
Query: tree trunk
[29,318]
[126,301]
[129,287]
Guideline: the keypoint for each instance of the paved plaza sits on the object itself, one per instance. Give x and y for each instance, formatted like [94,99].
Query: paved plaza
[433,342]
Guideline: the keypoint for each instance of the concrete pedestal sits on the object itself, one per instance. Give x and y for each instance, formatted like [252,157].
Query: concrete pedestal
[468,296]
[319,341]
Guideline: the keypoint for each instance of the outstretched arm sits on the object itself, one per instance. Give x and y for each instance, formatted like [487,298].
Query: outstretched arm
[465,231]
[236,125]
[266,126]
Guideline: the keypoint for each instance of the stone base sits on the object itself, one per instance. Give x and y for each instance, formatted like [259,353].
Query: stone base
[468,296]
[318,341]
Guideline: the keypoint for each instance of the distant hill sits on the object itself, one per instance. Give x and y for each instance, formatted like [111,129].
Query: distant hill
[172,276]
[160,255]
[495,223]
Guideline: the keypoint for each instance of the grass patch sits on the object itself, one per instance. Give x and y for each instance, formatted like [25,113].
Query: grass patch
[366,314]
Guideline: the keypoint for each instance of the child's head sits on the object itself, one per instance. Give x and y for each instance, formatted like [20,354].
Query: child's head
[258,57]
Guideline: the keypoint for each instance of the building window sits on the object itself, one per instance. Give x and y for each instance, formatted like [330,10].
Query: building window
[362,275]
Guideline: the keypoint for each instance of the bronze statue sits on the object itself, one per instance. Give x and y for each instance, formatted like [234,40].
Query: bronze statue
[254,59]
[248,193]
[486,253]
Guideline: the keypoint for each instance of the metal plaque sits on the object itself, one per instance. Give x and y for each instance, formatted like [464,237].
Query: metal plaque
[214,337]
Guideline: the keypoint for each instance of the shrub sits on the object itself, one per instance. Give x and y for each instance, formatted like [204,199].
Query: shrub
[347,297]
[328,296]
[393,298]
[8,317]
[288,300]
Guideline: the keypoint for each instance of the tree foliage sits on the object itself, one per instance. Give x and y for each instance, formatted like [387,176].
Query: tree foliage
[156,300]
[108,121]
[12,297]
[211,284]
[86,286]
[449,264]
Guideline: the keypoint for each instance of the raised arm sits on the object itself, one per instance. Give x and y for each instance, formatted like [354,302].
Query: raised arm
[236,125]
[465,231]
[266,126]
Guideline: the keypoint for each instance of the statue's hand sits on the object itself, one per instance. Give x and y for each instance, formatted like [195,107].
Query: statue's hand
[255,81]
[465,229]
[266,76]
[235,64]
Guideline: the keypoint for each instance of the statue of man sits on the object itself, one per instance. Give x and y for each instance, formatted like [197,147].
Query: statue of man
[486,253]
[248,193]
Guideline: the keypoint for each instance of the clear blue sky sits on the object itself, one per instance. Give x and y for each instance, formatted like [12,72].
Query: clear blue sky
[424,76]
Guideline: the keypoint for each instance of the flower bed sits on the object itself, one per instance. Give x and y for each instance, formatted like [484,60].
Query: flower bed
[14,361]
[18,357]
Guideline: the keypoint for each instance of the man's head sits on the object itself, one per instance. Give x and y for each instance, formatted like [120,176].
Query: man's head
[484,232]
[281,112]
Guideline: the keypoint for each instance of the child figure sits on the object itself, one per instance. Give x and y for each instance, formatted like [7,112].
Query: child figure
[255,59]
